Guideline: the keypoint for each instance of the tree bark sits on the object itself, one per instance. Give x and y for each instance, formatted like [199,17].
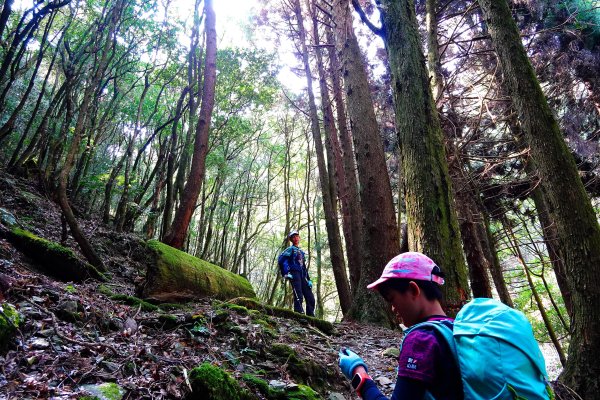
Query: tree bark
[333,232]
[351,212]
[183,216]
[576,224]
[379,242]
[431,216]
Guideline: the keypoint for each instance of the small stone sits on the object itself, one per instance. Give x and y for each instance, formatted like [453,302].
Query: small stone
[277,385]
[130,327]
[40,344]
[110,366]
[116,324]
[392,352]
[384,380]
[7,218]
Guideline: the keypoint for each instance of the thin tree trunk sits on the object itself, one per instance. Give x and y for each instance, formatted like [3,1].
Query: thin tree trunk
[538,300]
[333,233]
[183,216]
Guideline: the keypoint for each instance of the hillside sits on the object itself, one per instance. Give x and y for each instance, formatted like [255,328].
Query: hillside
[73,337]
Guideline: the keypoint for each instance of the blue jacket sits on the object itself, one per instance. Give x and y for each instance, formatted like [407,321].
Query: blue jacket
[294,261]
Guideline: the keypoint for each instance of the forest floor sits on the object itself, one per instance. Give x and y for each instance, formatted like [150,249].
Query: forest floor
[77,334]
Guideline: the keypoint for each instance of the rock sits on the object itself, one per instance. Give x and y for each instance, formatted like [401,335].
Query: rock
[383,380]
[336,396]
[277,385]
[56,260]
[39,344]
[110,366]
[130,327]
[116,324]
[7,219]
[105,391]
[68,311]
[9,323]
[174,275]
[393,352]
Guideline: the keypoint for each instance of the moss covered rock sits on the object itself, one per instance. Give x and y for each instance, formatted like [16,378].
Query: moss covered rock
[324,326]
[9,322]
[212,383]
[293,392]
[177,276]
[300,369]
[56,260]
[104,391]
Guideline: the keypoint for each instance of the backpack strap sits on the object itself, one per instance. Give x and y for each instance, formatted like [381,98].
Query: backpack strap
[444,328]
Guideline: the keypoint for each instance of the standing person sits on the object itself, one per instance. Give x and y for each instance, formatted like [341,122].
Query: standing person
[411,283]
[293,268]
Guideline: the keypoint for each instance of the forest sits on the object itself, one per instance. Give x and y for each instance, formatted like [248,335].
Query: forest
[465,130]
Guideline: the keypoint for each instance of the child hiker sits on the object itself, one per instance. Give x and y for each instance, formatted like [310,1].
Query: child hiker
[488,352]
[411,283]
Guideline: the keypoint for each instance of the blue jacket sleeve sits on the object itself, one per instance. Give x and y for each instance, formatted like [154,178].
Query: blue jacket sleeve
[406,389]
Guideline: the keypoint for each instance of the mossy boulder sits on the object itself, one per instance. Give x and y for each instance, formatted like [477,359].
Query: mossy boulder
[212,383]
[54,259]
[300,369]
[104,391]
[175,276]
[293,392]
[324,326]
[9,323]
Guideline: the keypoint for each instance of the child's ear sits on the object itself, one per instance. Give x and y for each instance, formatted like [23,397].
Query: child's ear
[415,290]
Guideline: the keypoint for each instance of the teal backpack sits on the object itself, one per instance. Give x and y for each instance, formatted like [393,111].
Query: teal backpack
[498,357]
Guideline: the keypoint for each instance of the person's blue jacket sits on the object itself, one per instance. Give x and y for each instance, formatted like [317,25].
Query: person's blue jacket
[294,261]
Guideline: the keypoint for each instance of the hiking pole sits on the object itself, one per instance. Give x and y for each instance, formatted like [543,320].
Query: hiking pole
[294,290]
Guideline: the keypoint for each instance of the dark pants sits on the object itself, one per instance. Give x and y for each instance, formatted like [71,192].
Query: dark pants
[300,290]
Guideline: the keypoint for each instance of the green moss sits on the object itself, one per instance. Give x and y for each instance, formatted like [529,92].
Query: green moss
[177,275]
[211,382]
[302,392]
[134,301]
[9,322]
[233,307]
[57,260]
[105,290]
[324,326]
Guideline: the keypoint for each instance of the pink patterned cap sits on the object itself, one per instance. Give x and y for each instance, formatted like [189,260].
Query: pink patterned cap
[410,265]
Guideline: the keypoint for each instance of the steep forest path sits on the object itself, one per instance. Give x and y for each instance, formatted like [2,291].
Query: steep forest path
[74,336]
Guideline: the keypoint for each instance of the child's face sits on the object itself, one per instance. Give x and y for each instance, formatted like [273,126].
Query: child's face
[403,305]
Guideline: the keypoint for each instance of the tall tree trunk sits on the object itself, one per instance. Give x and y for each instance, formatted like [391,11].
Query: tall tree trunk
[576,224]
[431,216]
[379,242]
[333,231]
[351,211]
[181,221]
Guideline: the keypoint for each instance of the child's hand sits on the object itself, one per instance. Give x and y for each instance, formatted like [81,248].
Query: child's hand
[349,361]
